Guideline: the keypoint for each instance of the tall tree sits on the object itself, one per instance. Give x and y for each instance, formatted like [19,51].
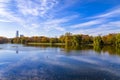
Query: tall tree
[97,41]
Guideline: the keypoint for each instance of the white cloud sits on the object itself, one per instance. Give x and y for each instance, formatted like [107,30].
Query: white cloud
[29,9]
[103,29]
[4,1]
[33,15]
[112,13]
[7,14]
[87,24]
[53,27]
[37,15]
[35,8]
[56,23]
[3,20]
[100,19]
[105,23]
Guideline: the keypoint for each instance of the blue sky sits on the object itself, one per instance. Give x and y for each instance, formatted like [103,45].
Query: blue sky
[56,17]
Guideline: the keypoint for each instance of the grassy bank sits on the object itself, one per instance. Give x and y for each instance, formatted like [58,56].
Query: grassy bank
[46,44]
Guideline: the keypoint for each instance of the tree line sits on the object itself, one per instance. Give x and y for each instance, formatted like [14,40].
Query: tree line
[68,39]
[72,39]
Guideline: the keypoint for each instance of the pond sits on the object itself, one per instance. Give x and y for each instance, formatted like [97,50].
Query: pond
[20,62]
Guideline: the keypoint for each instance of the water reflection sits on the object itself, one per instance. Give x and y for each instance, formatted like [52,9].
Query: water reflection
[59,63]
[112,50]
[98,49]
[17,49]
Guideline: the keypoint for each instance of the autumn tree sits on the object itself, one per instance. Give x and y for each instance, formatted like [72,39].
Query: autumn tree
[86,39]
[109,39]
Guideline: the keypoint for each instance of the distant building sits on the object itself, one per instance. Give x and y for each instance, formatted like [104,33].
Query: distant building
[17,33]
[21,35]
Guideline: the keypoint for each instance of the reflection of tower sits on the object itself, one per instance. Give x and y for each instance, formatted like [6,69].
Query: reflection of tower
[17,33]
[17,49]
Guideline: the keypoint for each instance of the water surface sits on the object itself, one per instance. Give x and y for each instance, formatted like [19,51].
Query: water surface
[19,62]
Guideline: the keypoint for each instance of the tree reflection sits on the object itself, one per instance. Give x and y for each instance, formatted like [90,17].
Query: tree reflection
[112,50]
[77,48]
[98,49]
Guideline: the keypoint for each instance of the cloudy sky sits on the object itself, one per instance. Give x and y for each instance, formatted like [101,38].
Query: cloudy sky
[56,17]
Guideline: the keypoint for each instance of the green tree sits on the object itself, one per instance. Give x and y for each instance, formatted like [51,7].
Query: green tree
[62,38]
[76,40]
[118,40]
[97,41]
[68,39]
